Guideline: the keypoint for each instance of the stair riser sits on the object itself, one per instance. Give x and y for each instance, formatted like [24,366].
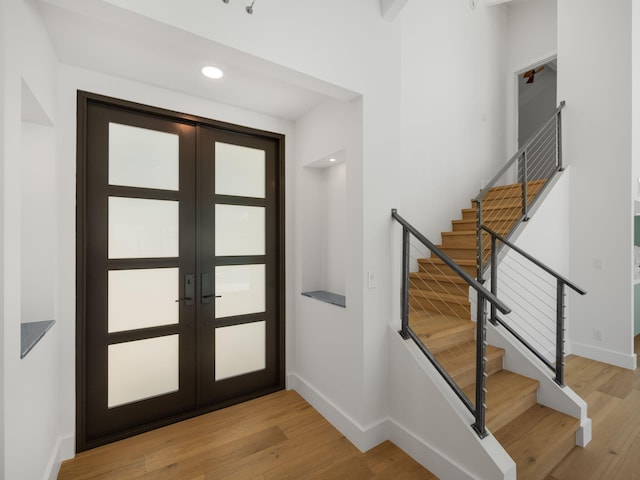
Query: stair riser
[504,202]
[513,191]
[468,377]
[497,226]
[461,253]
[516,407]
[466,241]
[443,343]
[440,286]
[438,306]
[439,269]
[493,214]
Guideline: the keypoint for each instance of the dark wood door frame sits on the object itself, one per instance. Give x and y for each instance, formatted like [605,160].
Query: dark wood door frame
[84,99]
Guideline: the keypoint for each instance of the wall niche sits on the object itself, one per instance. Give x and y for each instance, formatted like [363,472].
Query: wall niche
[324,229]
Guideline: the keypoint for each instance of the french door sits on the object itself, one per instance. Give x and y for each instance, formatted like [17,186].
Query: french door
[180,267]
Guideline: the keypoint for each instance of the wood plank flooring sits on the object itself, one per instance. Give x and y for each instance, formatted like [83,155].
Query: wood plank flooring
[277,437]
[282,437]
[613,396]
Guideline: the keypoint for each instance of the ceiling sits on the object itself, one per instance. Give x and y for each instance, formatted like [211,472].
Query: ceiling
[101,37]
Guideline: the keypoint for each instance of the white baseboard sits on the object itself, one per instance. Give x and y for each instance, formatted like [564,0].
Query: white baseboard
[603,355]
[425,455]
[364,438]
[64,449]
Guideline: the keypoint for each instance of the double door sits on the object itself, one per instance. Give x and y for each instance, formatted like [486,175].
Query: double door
[180,304]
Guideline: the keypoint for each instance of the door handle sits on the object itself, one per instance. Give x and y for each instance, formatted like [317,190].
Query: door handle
[205,288]
[189,290]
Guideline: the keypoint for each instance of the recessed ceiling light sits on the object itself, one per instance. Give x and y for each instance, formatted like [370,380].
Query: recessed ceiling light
[212,72]
[332,159]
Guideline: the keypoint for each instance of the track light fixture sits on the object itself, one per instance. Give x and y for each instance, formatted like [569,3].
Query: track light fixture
[248,9]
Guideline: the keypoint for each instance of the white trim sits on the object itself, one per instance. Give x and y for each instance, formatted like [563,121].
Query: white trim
[364,438]
[603,355]
[515,77]
[583,434]
[64,449]
[425,454]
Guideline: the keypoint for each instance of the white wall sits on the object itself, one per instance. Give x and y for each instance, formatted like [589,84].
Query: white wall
[5,9]
[532,36]
[342,43]
[329,339]
[30,406]
[635,120]
[597,144]
[453,116]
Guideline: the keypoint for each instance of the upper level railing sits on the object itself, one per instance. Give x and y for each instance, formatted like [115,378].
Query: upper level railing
[446,300]
[527,175]
[534,291]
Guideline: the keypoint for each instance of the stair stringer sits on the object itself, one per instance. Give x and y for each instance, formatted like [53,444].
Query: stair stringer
[519,360]
[429,422]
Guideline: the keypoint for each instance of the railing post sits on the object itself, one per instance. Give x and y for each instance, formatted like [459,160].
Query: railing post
[404,307]
[481,348]
[560,333]
[559,137]
[525,195]
[494,277]
[479,265]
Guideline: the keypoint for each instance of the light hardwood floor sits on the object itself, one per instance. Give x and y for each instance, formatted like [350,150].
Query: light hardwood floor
[613,397]
[276,437]
[281,437]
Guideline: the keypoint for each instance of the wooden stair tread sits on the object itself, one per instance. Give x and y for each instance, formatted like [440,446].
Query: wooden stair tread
[433,326]
[514,215]
[515,188]
[461,359]
[438,277]
[436,260]
[538,440]
[443,297]
[439,282]
[508,395]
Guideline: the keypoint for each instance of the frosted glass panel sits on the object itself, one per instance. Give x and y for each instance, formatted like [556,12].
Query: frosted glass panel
[141,228]
[241,290]
[142,369]
[239,171]
[139,157]
[240,349]
[143,298]
[239,230]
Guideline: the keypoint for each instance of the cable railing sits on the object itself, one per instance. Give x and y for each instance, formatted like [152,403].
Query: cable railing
[537,294]
[507,199]
[435,297]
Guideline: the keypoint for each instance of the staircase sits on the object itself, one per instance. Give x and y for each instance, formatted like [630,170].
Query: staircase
[536,437]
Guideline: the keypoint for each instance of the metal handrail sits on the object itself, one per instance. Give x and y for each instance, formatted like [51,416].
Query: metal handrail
[526,204]
[473,283]
[517,155]
[561,282]
[534,260]
[483,296]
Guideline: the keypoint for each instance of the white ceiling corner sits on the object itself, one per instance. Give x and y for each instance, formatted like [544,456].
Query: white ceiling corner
[97,36]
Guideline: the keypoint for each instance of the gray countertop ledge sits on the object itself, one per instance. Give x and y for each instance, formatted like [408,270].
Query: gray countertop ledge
[327,297]
[31,333]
